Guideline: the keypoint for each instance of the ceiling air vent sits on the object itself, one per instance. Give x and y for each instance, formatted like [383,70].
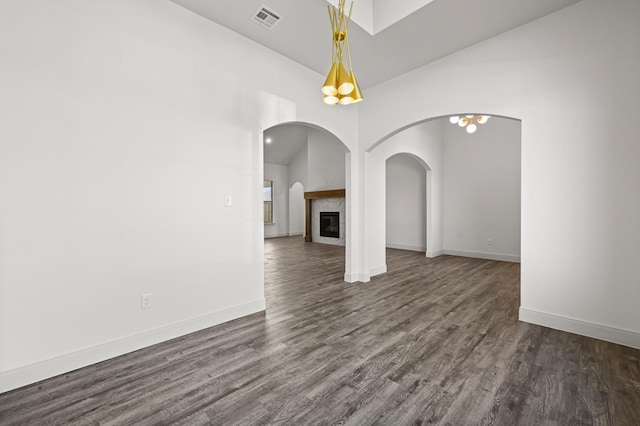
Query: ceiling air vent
[266,17]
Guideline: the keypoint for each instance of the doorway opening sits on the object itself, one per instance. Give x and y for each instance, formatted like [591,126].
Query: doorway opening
[472,193]
[307,163]
[406,203]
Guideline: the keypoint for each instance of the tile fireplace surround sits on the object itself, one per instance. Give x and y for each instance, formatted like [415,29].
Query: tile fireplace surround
[328,205]
[324,201]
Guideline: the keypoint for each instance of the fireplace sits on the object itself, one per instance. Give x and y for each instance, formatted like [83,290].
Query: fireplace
[331,202]
[330,224]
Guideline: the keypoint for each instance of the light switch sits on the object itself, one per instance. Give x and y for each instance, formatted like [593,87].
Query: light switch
[145,301]
[227,200]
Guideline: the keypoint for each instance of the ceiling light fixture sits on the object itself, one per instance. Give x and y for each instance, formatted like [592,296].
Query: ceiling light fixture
[469,121]
[340,86]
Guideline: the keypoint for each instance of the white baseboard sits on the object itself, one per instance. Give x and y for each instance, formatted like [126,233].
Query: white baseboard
[13,379]
[406,247]
[583,328]
[483,255]
[286,234]
[435,253]
[378,270]
[354,278]
[296,234]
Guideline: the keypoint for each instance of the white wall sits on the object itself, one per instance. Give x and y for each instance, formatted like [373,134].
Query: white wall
[481,196]
[279,175]
[299,167]
[296,209]
[423,141]
[406,203]
[121,135]
[572,78]
[326,166]
[298,177]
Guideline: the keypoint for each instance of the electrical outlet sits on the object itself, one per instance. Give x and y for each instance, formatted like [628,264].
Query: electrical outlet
[145,301]
[489,242]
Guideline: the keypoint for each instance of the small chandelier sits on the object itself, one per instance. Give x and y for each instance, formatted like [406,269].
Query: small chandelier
[340,86]
[469,121]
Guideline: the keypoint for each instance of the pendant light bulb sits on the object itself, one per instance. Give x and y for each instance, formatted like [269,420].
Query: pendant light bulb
[330,86]
[345,86]
[331,100]
[469,123]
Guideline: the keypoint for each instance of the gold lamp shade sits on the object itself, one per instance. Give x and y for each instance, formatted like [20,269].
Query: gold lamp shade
[354,96]
[330,86]
[357,93]
[340,86]
[345,85]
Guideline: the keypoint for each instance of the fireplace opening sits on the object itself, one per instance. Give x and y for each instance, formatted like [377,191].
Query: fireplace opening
[330,224]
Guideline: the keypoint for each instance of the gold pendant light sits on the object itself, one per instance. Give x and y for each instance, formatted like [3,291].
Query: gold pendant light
[340,86]
[469,121]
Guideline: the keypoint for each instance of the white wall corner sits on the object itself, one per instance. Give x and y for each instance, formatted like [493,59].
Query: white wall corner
[583,328]
[435,253]
[16,378]
[377,270]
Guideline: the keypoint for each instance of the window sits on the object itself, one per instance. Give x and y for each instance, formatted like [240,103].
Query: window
[268,201]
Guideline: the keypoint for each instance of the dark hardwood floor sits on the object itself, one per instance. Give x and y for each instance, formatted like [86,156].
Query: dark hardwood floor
[434,341]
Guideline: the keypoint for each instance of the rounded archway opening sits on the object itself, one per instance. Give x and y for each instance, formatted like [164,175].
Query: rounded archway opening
[406,203]
[311,165]
[472,188]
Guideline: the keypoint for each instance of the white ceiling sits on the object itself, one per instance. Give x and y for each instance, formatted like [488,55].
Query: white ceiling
[376,15]
[286,142]
[436,30]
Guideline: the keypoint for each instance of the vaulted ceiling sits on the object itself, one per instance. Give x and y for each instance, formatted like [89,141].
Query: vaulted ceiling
[283,142]
[436,29]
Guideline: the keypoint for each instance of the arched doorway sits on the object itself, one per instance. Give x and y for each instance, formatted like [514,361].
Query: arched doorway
[472,189]
[406,203]
[310,159]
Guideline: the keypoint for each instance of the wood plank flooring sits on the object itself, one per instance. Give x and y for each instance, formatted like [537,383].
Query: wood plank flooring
[434,341]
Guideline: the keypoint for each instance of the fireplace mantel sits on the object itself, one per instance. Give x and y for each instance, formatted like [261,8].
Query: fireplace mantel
[317,195]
